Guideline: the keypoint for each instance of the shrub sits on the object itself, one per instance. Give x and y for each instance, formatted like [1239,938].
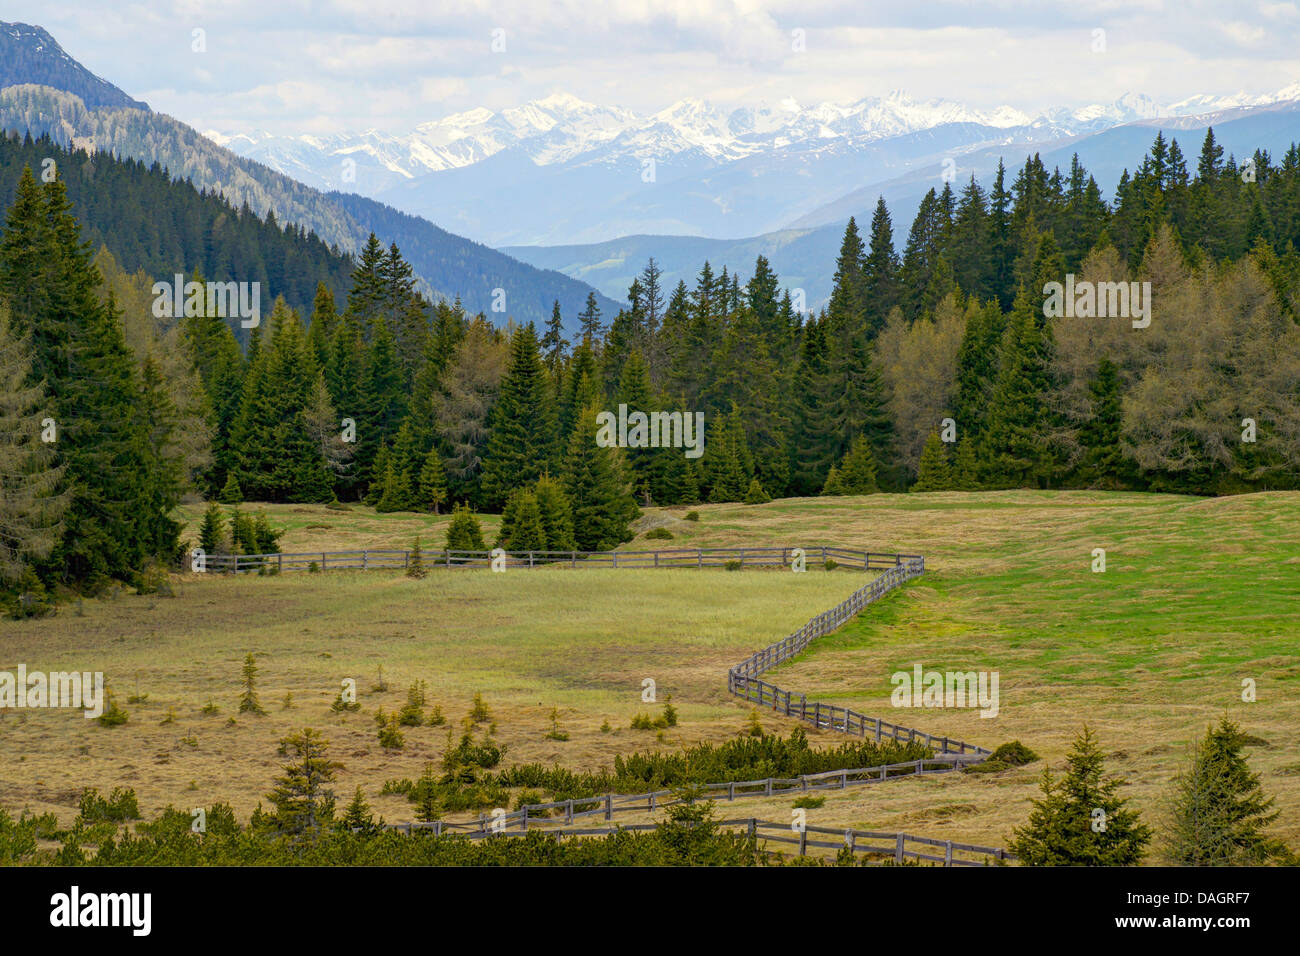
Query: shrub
[113,715]
[734,565]
[1013,754]
[555,732]
[809,803]
[692,516]
[478,713]
[341,706]
[659,534]
[390,734]
[436,719]
[752,727]
[121,805]
[755,495]
[412,713]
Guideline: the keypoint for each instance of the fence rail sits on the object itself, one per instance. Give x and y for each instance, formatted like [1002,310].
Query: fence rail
[378,559]
[894,846]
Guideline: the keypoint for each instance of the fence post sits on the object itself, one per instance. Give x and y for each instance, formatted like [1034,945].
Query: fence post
[568,811]
[803,842]
[279,562]
[609,806]
[851,841]
[699,557]
[947,853]
[322,561]
[898,849]
[530,559]
[615,554]
[365,560]
[573,559]
[752,825]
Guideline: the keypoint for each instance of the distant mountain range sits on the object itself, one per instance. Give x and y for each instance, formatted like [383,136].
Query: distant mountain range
[803,253]
[562,170]
[43,90]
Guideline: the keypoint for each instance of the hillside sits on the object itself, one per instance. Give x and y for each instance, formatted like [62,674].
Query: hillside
[28,54]
[40,94]
[152,222]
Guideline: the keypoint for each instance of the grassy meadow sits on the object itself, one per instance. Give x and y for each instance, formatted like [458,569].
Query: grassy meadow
[1198,594]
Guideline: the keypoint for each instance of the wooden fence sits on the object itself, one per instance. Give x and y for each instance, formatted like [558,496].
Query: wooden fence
[375,559]
[889,847]
[743,681]
[609,805]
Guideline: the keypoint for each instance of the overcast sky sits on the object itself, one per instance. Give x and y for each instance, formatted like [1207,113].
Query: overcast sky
[294,66]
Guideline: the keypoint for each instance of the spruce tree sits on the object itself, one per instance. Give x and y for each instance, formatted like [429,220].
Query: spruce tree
[600,501]
[1080,821]
[880,271]
[1218,810]
[521,523]
[433,482]
[523,429]
[301,799]
[117,515]
[464,532]
[965,469]
[755,495]
[554,345]
[31,507]
[833,486]
[556,513]
[396,494]
[415,564]
[231,493]
[1104,464]
[857,472]
[1017,442]
[589,321]
[933,472]
[248,702]
[212,532]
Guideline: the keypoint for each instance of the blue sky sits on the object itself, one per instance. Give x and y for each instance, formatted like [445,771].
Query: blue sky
[322,67]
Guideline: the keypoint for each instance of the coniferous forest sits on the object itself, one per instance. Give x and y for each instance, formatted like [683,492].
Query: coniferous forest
[933,369]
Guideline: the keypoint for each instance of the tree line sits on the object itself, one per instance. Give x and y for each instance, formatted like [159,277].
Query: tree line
[936,369]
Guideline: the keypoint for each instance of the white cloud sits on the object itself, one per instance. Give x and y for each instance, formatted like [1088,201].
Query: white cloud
[355,64]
